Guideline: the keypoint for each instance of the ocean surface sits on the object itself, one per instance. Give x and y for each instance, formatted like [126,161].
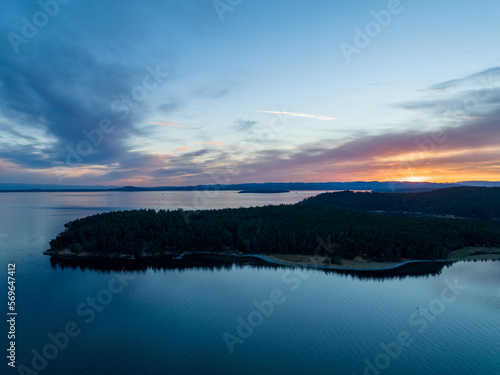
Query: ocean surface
[228,318]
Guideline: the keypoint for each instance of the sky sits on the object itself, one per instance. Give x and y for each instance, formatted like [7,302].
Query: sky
[186,92]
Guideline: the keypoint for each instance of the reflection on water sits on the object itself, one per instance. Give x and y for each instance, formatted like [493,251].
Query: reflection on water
[221,262]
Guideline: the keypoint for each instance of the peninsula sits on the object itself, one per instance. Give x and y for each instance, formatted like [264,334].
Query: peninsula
[304,233]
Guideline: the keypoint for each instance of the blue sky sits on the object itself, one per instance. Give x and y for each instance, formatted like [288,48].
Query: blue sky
[248,91]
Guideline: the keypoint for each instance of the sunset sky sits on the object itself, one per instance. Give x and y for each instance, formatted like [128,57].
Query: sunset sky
[190,92]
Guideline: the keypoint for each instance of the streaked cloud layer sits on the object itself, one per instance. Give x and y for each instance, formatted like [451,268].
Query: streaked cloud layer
[164,93]
[294,114]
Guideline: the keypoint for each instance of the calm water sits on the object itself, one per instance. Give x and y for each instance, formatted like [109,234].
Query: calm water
[189,320]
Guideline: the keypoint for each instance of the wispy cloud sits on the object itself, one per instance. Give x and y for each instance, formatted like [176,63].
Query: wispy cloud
[211,92]
[211,143]
[471,118]
[295,114]
[172,124]
[182,149]
[485,76]
[244,125]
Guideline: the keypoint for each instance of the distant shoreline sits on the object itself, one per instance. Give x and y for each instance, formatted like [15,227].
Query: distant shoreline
[375,186]
[190,189]
[263,191]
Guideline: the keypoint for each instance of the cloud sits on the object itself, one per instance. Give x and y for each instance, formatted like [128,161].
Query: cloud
[182,149]
[211,143]
[486,77]
[383,156]
[244,125]
[211,92]
[169,106]
[170,123]
[77,78]
[468,146]
[470,118]
[294,114]
[470,98]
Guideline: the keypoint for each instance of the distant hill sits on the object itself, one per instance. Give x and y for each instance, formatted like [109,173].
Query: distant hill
[356,185]
[480,183]
[376,186]
[12,186]
[468,202]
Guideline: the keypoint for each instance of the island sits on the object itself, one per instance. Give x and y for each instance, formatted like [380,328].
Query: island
[307,233]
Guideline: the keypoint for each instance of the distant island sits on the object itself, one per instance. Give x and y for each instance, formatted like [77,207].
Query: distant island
[263,191]
[312,231]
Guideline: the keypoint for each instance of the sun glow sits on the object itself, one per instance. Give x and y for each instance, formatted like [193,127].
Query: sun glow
[414,179]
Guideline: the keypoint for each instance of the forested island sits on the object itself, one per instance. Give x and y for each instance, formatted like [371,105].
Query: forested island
[318,229]
[466,202]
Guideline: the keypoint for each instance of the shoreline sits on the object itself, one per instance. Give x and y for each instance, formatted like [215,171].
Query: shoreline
[275,259]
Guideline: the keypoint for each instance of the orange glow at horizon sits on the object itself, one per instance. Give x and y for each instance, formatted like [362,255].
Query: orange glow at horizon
[414,179]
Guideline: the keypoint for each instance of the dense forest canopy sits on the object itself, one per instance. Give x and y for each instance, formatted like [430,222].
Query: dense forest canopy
[283,229]
[469,202]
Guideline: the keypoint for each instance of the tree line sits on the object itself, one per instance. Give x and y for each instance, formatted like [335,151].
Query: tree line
[468,202]
[283,229]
